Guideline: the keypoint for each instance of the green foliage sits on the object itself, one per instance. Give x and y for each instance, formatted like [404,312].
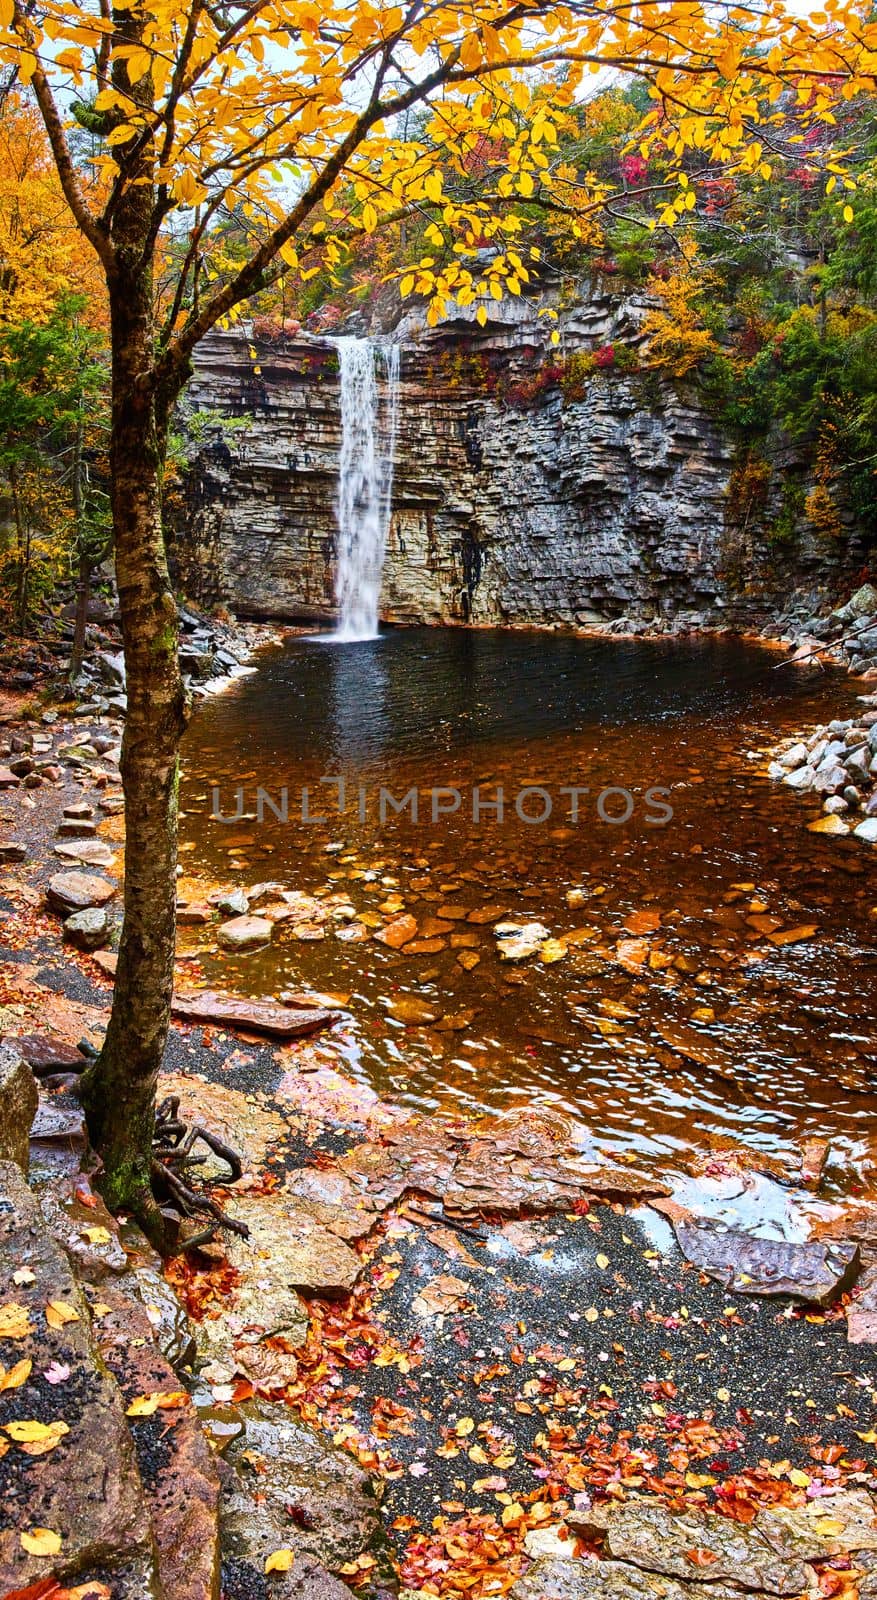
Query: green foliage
[53,417]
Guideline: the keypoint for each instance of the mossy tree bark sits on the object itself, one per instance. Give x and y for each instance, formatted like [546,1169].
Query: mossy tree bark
[118,1091]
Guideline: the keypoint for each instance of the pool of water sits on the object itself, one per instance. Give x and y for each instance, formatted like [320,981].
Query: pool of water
[671,1020]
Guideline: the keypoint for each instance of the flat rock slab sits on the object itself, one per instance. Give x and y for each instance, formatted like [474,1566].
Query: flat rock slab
[288,1244]
[815,1272]
[552,1579]
[842,1523]
[45,1054]
[87,1488]
[279,1462]
[262,1016]
[76,891]
[94,852]
[245,933]
[307,1580]
[644,1533]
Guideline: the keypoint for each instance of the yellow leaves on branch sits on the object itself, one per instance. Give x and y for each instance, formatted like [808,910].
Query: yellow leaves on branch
[282,112]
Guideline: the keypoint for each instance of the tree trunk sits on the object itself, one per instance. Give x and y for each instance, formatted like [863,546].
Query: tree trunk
[80,620]
[119,1089]
[83,576]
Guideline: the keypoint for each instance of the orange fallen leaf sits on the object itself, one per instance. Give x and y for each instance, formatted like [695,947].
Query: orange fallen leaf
[701,1558]
[16,1376]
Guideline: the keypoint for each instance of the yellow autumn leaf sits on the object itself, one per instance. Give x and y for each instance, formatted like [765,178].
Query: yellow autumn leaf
[800,1479]
[58,1312]
[280,1560]
[98,1235]
[36,1438]
[15,1322]
[592,1314]
[603,1262]
[465,1426]
[40,1542]
[848,213]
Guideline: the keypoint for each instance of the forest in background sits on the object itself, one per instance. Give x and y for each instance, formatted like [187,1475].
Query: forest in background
[761,291]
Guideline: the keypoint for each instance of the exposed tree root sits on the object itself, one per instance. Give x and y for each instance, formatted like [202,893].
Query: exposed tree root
[172,1150]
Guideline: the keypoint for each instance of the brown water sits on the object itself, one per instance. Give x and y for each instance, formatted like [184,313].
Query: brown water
[729,1035]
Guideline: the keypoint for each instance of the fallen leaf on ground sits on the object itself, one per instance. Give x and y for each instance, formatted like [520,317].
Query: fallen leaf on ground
[58,1312]
[146,1404]
[280,1561]
[36,1438]
[14,1322]
[40,1542]
[16,1376]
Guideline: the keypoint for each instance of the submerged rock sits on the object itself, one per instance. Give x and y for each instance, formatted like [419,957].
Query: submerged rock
[516,941]
[815,1272]
[245,933]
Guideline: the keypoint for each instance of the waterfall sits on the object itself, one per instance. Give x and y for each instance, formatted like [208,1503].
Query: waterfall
[365,481]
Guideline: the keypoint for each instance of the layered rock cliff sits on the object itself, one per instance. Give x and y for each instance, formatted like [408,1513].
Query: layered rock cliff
[518,496]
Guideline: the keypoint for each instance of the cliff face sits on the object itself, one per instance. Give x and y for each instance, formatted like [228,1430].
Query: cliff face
[513,500]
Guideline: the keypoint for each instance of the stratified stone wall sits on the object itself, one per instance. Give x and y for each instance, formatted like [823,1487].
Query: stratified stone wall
[507,506]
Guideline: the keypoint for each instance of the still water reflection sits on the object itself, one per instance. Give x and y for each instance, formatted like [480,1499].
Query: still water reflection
[671,1017]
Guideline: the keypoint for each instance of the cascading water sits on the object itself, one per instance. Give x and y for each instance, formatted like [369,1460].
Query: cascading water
[365,481]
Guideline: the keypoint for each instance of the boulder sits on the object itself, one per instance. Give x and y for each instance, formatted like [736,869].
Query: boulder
[245,933]
[11,850]
[815,1272]
[19,1099]
[8,779]
[182,1482]
[862,604]
[87,1487]
[262,1016]
[86,930]
[76,891]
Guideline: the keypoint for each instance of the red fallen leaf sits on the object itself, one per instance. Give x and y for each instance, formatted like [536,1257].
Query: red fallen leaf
[701,1558]
[36,1591]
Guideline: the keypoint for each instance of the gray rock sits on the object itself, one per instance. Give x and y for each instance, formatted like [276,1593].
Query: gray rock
[835,805]
[645,1534]
[235,904]
[867,830]
[551,1579]
[87,930]
[92,852]
[111,668]
[796,757]
[802,778]
[815,1272]
[828,780]
[863,604]
[19,1098]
